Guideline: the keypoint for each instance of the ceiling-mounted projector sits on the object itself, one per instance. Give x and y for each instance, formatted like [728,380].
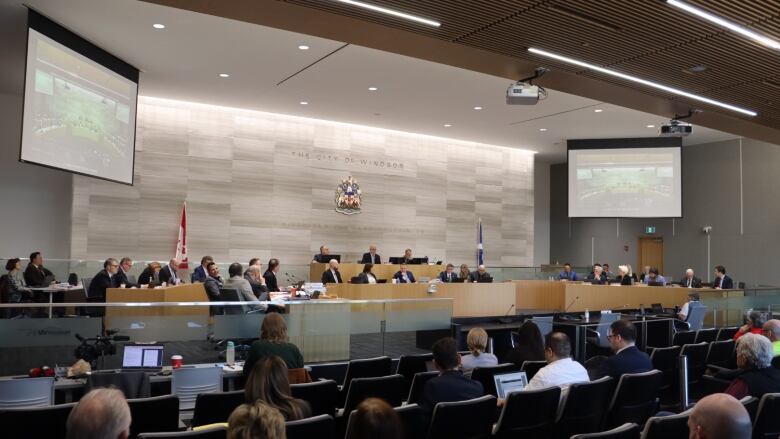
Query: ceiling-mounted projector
[522,93]
[675,128]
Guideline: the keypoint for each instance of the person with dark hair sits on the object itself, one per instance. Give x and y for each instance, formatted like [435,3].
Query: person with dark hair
[254,261]
[627,358]
[213,282]
[125,264]
[103,280]
[201,272]
[367,277]
[151,274]
[754,324]
[375,419]
[448,275]
[529,345]
[254,276]
[653,277]
[407,257]
[242,286]
[722,281]
[273,341]
[567,273]
[36,275]
[451,385]
[268,382]
[323,256]
[693,298]
[561,370]
[17,286]
[607,273]
[270,275]
[256,421]
[404,276]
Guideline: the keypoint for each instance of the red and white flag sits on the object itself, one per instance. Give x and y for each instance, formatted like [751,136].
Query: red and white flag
[181,244]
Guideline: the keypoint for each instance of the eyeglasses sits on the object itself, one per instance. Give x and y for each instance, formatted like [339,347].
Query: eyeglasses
[114,265]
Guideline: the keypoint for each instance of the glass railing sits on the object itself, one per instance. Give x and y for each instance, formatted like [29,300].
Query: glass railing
[729,308]
[324,330]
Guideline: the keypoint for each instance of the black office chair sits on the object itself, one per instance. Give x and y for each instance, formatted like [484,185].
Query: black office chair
[683,337]
[706,335]
[409,365]
[665,360]
[134,384]
[470,419]
[485,375]
[635,399]
[364,368]
[231,295]
[697,365]
[625,431]
[418,384]
[27,423]
[751,405]
[767,424]
[727,333]
[155,414]
[320,427]
[413,421]
[211,408]
[529,414]
[389,388]
[721,354]
[666,427]
[531,367]
[584,407]
[322,396]
[208,433]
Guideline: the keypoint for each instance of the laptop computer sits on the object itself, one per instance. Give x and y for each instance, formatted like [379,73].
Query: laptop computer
[507,383]
[142,357]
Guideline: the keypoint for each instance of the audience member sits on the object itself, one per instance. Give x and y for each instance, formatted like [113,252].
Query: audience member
[150,275]
[754,360]
[270,275]
[693,300]
[268,382]
[567,273]
[100,414]
[323,256]
[125,265]
[754,324]
[170,274]
[463,273]
[36,275]
[371,257]
[561,370]
[451,385]
[719,416]
[653,277]
[529,345]
[273,341]
[771,330]
[448,275]
[367,277]
[480,276]
[690,281]
[722,281]
[477,340]
[238,283]
[256,421]
[627,358]
[404,276]
[254,276]
[17,286]
[331,274]
[213,282]
[201,272]
[375,419]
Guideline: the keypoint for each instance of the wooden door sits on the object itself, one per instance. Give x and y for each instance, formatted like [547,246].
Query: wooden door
[651,252]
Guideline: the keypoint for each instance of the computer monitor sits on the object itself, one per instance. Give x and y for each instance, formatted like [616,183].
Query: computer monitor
[507,383]
[655,284]
[324,259]
[142,357]
[396,261]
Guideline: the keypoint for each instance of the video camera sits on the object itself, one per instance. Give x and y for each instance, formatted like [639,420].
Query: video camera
[91,349]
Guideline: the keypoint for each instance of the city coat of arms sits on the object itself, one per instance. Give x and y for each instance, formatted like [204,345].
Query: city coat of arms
[348,197]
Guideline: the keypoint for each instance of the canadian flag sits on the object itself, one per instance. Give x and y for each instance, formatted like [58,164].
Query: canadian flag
[181,244]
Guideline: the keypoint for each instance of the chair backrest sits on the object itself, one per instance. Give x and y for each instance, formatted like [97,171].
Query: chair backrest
[155,414]
[751,405]
[321,427]
[721,353]
[706,335]
[211,408]
[603,327]
[529,413]
[85,283]
[625,431]
[410,365]
[697,360]
[26,422]
[298,375]
[367,368]
[727,333]
[531,367]
[635,398]
[683,337]
[470,419]
[133,384]
[665,360]
[389,388]
[696,316]
[188,383]
[767,423]
[231,295]
[26,392]
[322,396]
[413,421]
[485,375]
[666,427]
[207,433]
[584,407]
[418,384]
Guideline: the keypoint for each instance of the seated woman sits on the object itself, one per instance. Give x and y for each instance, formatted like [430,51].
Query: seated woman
[463,275]
[755,321]
[756,376]
[256,421]
[18,291]
[268,383]
[529,345]
[624,277]
[150,275]
[367,277]
[273,341]
[476,341]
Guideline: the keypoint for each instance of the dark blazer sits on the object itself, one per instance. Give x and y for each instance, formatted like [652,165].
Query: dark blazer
[474,276]
[198,275]
[260,290]
[121,278]
[167,276]
[725,283]
[36,276]
[592,278]
[400,279]
[364,277]
[270,281]
[367,259]
[327,277]
[624,280]
[146,277]
[630,360]
[97,288]
[453,278]
[450,386]
[405,260]
[695,282]
[212,286]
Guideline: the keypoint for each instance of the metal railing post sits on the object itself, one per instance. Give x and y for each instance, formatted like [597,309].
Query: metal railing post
[682,368]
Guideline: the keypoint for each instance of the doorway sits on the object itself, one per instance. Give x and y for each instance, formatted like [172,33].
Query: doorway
[651,252]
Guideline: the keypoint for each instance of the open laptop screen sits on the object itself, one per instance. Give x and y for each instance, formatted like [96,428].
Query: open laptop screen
[142,356]
[507,383]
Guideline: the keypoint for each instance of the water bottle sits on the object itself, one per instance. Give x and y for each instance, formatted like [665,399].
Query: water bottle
[587,315]
[230,353]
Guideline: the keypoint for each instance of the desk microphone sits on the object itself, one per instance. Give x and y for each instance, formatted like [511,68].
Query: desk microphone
[570,304]
[506,318]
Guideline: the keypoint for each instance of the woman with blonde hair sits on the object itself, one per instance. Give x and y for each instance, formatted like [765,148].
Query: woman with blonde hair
[268,383]
[256,421]
[273,341]
[477,341]
[150,275]
[464,273]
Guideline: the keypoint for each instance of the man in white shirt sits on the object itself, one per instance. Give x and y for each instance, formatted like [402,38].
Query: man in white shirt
[561,370]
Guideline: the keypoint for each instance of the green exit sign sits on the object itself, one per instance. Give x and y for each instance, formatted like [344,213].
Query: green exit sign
[649,230]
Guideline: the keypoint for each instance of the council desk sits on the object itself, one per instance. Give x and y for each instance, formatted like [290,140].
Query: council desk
[381,271]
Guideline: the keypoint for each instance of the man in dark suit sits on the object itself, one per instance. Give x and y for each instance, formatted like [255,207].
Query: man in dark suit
[690,281]
[450,385]
[201,273]
[627,358]
[125,264]
[254,275]
[103,280]
[480,276]
[36,274]
[371,257]
[449,275]
[407,257]
[722,281]
[170,274]
[270,275]
[404,276]
[213,282]
[332,275]
[324,256]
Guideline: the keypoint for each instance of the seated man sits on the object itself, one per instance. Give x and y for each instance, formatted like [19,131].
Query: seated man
[324,255]
[407,257]
[448,275]
[627,358]
[719,416]
[213,282]
[103,280]
[597,277]
[254,275]
[332,275]
[561,370]
[36,275]
[772,331]
[722,281]
[170,274]
[690,281]
[654,278]
[451,385]
[201,272]
[404,276]
[567,273]
[480,276]
[693,300]
[754,360]
[245,293]
[371,257]
[606,271]
[125,264]
[101,413]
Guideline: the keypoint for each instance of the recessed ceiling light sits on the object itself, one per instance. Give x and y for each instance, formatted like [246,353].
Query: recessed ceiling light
[224,75]
[158,26]
[598,110]
[477,108]
[304,103]
[542,129]
[695,69]
[652,84]
[303,47]
[373,88]
[447,125]
[391,12]
[651,126]
[766,41]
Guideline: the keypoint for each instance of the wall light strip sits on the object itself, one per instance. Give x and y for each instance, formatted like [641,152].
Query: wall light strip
[390,12]
[642,81]
[722,22]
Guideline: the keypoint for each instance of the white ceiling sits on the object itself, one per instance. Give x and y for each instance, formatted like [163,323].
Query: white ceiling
[183,61]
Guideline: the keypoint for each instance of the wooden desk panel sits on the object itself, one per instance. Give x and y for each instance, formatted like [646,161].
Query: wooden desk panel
[381,271]
[539,295]
[180,293]
[581,296]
